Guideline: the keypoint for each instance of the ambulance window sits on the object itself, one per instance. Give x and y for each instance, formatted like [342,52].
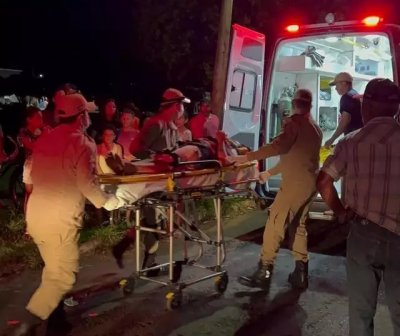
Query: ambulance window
[252,49]
[243,90]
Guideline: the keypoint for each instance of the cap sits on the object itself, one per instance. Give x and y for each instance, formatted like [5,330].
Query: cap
[303,95]
[72,105]
[342,77]
[173,96]
[382,90]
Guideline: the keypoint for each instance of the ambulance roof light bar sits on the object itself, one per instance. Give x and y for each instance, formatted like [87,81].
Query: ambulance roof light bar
[369,21]
[372,21]
[294,28]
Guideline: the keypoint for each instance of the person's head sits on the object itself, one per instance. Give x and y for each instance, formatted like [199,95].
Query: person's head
[381,99]
[302,101]
[205,106]
[70,88]
[74,109]
[108,134]
[343,83]
[126,118]
[33,118]
[181,120]
[171,106]
[110,109]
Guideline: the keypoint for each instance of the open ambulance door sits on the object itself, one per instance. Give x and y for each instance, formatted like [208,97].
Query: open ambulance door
[309,57]
[244,87]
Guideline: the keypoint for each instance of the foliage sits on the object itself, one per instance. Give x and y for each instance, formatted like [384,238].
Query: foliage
[13,248]
[16,251]
[107,236]
[178,38]
[231,207]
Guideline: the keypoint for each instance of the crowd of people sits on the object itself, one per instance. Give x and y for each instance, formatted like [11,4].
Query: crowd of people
[65,149]
[367,158]
[114,129]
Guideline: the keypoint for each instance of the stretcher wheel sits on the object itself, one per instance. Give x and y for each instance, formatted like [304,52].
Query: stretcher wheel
[221,283]
[174,300]
[128,286]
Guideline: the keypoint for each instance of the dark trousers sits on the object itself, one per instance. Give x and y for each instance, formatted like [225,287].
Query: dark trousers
[373,254]
[150,221]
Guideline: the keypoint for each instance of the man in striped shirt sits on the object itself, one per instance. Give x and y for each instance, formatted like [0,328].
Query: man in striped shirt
[369,159]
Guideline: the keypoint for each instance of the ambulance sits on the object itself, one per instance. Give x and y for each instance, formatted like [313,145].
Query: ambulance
[263,76]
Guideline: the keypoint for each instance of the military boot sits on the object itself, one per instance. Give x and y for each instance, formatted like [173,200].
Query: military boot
[299,277]
[58,324]
[260,278]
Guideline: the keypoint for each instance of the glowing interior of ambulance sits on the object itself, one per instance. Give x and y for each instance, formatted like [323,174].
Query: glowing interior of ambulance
[311,63]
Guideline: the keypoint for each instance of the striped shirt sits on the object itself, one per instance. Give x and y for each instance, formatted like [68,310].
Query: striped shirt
[369,159]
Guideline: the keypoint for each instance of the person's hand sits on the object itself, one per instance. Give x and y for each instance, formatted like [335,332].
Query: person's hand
[112,203]
[237,160]
[264,176]
[345,216]
[129,157]
[328,143]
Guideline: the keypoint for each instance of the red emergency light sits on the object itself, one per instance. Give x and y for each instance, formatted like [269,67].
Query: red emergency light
[293,28]
[372,21]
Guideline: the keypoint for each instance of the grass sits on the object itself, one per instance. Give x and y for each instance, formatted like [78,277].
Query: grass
[18,253]
[14,250]
[230,207]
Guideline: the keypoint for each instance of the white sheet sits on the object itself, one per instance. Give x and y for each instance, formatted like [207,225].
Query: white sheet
[130,193]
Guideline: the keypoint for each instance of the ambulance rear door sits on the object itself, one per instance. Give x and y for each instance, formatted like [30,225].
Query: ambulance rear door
[244,87]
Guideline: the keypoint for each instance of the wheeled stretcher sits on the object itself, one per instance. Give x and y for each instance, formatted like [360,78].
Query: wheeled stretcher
[169,192]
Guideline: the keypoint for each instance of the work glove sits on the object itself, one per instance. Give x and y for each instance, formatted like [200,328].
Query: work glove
[112,203]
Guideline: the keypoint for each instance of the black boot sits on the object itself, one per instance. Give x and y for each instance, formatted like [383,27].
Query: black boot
[119,249]
[260,278]
[58,324]
[150,261]
[299,277]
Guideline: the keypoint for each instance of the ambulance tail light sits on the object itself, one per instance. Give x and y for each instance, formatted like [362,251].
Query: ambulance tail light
[293,28]
[372,21]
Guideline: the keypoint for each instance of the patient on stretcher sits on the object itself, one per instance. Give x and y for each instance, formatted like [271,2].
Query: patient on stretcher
[192,152]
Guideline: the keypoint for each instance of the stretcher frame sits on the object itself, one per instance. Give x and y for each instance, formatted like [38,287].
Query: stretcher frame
[170,200]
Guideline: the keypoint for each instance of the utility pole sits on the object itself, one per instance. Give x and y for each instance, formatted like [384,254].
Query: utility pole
[221,58]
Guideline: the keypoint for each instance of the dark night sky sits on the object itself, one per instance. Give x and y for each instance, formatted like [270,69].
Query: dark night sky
[73,40]
[66,30]
[89,42]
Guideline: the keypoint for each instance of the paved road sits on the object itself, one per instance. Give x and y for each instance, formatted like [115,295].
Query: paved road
[103,310]
[321,310]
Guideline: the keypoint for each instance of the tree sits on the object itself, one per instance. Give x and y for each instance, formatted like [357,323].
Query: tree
[178,39]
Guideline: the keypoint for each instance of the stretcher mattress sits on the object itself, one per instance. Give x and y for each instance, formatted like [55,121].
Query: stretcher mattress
[131,188]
